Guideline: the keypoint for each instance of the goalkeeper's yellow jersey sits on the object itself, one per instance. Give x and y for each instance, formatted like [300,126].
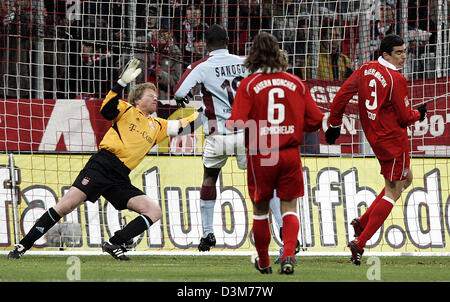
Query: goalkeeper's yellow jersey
[132,134]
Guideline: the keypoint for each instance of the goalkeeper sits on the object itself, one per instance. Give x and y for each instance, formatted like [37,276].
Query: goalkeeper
[132,134]
[385,113]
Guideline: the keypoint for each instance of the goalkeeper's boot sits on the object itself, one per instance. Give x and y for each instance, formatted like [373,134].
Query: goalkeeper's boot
[17,252]
[207,242]
[287,266]
[117,251]
[356,252]
[356,227]
[266,270]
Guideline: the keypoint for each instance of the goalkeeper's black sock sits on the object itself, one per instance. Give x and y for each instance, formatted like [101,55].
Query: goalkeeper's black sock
[136,227]
[44,223]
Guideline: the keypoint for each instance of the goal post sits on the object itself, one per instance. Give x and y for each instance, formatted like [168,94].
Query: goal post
[58,60]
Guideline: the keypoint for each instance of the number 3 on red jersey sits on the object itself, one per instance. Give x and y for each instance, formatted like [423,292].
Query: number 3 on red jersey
[372,103]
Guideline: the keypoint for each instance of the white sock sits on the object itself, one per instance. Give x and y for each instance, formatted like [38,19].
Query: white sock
[276,211]
[207,211]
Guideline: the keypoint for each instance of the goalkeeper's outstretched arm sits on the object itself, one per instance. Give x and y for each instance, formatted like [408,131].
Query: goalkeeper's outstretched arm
[109,108]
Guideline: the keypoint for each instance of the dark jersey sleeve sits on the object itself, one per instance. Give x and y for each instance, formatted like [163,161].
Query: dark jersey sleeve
[109,107]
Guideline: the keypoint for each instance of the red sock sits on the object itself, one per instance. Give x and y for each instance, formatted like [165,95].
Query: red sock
[376,220]
[261,234]
[365,217]
[290,229]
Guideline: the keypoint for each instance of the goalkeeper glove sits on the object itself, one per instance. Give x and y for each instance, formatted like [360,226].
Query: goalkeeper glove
[130,72]
[423,111]
[187,120]
[332,134]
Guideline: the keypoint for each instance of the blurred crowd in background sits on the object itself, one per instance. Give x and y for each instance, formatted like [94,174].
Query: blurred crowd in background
[56,49]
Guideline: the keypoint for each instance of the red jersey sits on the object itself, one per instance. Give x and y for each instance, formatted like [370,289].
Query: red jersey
[384,109]
[275,109]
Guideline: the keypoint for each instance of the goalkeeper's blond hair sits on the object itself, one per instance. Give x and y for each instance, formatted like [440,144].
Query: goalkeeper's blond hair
[138,91]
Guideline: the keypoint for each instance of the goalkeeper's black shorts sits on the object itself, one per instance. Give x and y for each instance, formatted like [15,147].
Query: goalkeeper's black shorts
[104,174]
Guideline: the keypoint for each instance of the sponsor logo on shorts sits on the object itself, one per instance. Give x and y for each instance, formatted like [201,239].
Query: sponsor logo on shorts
[85,181]
[405,172]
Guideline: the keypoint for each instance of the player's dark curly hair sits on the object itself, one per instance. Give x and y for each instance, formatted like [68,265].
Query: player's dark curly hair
[216,37]
[265,54]
[389,42]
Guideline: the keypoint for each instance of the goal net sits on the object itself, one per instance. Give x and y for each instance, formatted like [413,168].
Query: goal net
[58,60]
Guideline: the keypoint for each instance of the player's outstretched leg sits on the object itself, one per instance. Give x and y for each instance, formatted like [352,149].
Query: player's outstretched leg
[42,225]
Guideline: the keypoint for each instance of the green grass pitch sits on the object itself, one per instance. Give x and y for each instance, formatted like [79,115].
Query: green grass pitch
[32,268]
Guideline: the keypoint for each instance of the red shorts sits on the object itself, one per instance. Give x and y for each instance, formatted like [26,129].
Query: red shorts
[280,170]
[396,168]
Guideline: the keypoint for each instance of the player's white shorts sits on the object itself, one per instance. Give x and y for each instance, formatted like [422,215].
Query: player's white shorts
[217,148]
